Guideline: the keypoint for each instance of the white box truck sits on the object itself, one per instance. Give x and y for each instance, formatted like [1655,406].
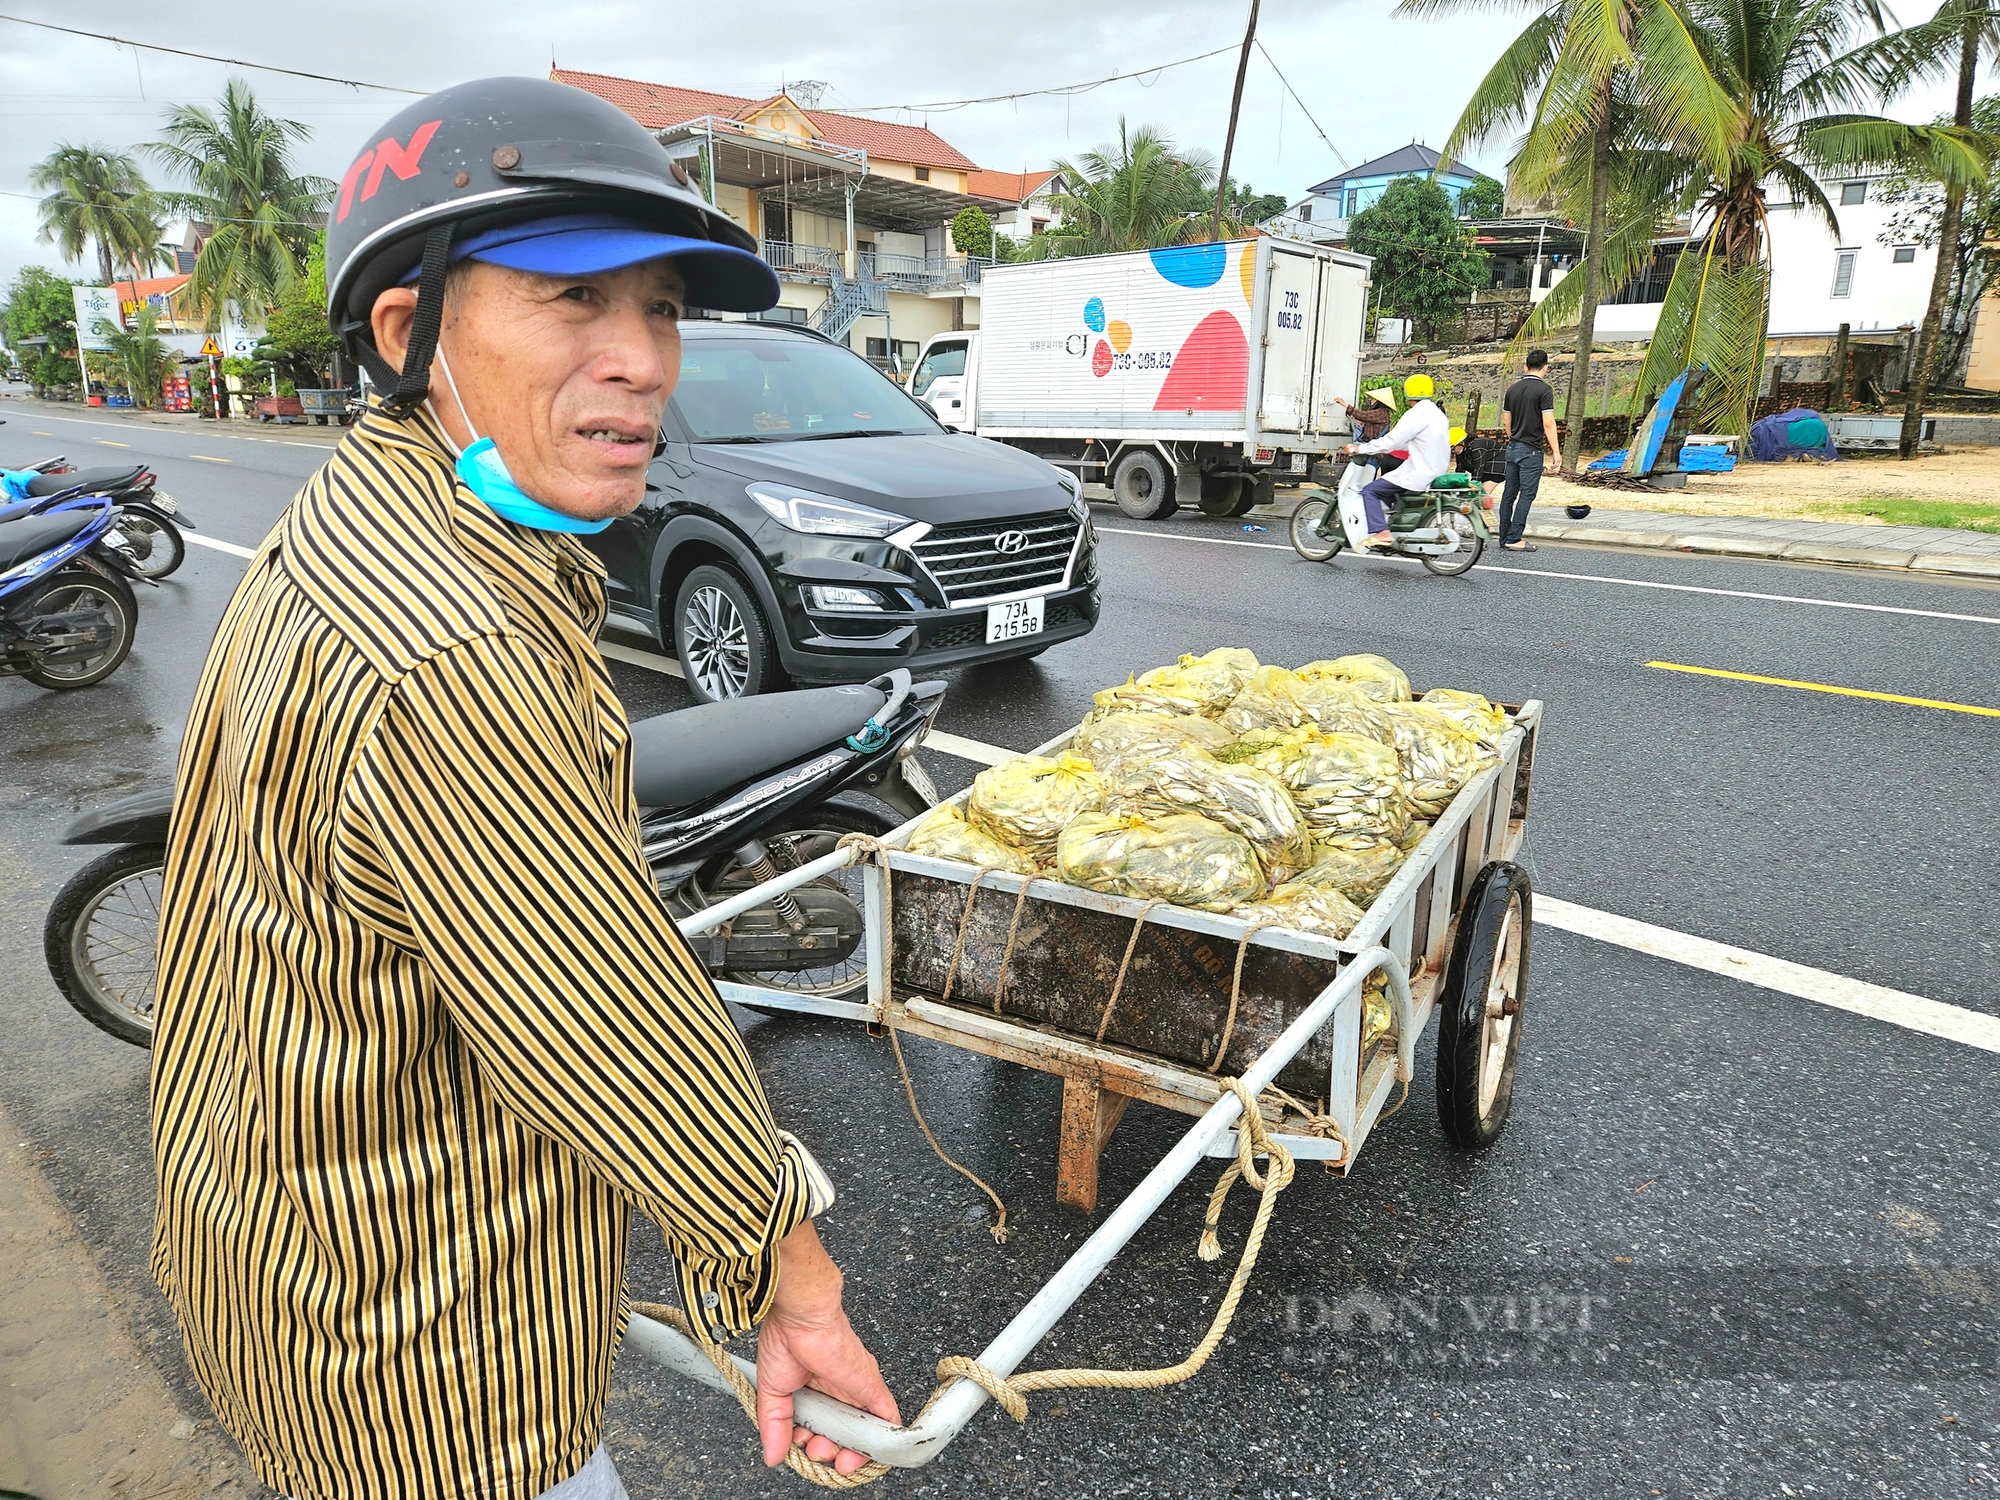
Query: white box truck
[1194,375]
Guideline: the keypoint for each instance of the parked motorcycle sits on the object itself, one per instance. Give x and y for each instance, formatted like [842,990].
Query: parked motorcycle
[730,794]
[149,521]
[67,612]
[1443,527]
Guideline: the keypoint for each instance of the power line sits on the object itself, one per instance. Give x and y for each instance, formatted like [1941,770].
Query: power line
[234,62]
[1344,164]
[1067,88]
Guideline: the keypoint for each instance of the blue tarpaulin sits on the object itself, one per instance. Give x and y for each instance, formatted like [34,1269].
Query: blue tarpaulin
[1790,434]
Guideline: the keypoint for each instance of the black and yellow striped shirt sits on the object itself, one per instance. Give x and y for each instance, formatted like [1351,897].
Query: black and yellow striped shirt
[425,1030]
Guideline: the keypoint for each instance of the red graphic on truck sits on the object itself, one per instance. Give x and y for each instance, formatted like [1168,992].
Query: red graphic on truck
[1212,370]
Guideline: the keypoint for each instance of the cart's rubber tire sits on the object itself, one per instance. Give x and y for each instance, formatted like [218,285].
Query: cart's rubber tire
[1143,486]
[1470,545]
[1480,1007]
[1224,495]
[1306,541]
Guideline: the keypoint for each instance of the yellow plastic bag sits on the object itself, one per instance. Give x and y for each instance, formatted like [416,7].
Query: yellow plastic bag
[1122,739]
[1029,800]
[1378,1017]
[944,834]
[1418,828]
[1439,754]
[1357,871]
[1201,685]
[1487,720]
[1317,909]
[1375,675]
[1342,783]
[1179,857]
[1272,699]
[1241,798]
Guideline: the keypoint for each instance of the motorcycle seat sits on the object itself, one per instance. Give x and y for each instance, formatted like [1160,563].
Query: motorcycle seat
[683,757]
[91,481]
[32,535]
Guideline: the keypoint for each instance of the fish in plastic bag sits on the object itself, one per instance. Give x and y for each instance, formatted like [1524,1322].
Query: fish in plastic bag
[1378,1017]
[1342,783]
[1316,909]
[1418,828]
[944,834]
[1272,699]
[1242,798]
[1121,740]
[1487,720]
[1375,675]
[1439,754]
[1182,858]
[1200,685]
[1029,800]
[1358,871]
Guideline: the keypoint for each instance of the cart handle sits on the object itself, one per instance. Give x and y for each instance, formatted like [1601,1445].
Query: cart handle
[913,1446]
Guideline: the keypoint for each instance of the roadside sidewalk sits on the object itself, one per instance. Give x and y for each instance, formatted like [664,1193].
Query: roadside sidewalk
[1917,549]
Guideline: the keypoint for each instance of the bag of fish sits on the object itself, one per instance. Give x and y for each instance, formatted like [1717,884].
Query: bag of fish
[1439,754]
[1201,685]
[1319,910]
[1375,675]
[1026,802]
[1123,740]
[1487,720]
[1358,871]
[1251,802]
[1342,783]
[1272,699]
[1182,858]
[944,834]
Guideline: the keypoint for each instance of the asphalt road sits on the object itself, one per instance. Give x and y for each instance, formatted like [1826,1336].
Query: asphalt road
[1732,1243]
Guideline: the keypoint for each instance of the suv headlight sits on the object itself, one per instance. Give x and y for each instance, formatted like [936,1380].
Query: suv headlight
[1074,485]
[822,515]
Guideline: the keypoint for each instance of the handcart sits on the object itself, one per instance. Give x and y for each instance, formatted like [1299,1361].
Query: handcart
[1067,980]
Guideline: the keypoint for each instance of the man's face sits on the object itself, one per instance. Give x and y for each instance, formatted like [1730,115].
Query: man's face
[568,375]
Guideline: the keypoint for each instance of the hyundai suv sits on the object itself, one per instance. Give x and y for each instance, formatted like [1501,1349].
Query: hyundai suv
[807,520]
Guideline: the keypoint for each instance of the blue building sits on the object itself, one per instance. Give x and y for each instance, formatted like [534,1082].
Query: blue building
[1327,206]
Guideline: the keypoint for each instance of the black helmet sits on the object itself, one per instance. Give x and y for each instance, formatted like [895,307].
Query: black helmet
[479,156]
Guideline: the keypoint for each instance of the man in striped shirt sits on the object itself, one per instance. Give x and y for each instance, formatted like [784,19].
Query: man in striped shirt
[425,1031]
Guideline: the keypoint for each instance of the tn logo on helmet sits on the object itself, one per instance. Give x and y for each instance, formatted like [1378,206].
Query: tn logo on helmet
[387,156]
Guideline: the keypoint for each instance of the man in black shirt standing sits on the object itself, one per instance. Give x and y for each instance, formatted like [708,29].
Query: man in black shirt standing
[1528,423]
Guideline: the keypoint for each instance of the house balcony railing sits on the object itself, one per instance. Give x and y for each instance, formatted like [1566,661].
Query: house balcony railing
[901,273]
[794,262]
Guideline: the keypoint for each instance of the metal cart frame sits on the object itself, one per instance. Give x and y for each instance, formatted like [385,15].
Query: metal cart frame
[1407,934]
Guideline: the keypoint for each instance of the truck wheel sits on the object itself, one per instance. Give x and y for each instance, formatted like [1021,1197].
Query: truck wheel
[1225,495]
[1479,1007]
[1142,487]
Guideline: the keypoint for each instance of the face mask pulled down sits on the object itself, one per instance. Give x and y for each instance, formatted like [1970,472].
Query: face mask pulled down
[483,471]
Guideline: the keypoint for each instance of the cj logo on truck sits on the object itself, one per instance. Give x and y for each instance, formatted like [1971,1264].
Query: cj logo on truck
[1210,371]
[1010,542]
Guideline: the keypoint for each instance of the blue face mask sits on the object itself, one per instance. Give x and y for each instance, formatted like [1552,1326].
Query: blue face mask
[484,472]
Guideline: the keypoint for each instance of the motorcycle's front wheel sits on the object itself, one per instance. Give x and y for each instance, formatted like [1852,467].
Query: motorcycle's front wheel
[156,543]
[100,938]
[1306,523]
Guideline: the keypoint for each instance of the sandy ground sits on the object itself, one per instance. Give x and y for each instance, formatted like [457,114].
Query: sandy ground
[1811,490]
[82,1413]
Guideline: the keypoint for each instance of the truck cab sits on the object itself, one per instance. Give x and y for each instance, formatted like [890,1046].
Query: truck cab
[943,378]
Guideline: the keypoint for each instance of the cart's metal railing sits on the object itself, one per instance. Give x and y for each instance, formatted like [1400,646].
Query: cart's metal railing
[916,1445]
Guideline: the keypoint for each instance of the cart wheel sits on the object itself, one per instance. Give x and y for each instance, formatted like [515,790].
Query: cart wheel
[1479,1010]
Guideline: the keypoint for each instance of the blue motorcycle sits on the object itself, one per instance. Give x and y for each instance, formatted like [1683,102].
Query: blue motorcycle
[67,611]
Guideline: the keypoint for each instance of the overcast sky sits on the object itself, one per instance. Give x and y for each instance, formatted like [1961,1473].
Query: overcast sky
[1371,81]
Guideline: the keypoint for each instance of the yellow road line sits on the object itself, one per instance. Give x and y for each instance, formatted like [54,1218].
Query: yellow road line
[211,458]
[108,443]
[39,433]
[1822,687]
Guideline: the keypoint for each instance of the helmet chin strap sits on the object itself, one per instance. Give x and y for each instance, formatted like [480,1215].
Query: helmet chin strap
[409,387]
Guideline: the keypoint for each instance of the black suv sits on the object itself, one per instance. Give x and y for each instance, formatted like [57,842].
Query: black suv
[808,520]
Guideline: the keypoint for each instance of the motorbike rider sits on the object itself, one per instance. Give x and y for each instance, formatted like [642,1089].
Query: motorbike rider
[1424,433]
[425,1033]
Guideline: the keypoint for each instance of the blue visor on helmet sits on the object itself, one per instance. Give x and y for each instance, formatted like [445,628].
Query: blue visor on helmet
[719,277]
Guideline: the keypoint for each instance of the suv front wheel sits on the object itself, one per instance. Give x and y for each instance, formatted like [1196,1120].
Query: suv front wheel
[721,638]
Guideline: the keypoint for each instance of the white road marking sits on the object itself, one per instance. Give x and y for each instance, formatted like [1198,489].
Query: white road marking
[1954,1023]
[1630,583]
[231,548]
[230,437]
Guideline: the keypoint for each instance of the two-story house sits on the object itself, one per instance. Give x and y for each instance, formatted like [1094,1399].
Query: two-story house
[1327,206]
[853,213]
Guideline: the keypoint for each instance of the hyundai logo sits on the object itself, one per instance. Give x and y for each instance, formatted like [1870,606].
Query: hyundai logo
[1010,542]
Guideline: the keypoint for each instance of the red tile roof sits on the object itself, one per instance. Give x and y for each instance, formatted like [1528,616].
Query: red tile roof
[658,106]
[1015,187]
[151,286]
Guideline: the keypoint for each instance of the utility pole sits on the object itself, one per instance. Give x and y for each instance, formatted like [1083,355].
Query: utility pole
[1235,106]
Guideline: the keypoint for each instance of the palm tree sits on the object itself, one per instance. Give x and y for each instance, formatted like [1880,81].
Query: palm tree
[1797,78]
[138,355]
[237,169]
[1133,196]
[99,197]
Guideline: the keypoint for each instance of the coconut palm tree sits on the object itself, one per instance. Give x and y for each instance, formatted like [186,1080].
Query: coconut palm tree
[98,197]
[235,164]
[1132,196]
[138,355]
[1798,78]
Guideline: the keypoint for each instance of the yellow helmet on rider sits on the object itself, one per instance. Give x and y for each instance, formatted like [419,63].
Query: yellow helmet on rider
[1417,387]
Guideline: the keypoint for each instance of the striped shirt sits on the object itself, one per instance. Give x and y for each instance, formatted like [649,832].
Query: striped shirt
[425,1031]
